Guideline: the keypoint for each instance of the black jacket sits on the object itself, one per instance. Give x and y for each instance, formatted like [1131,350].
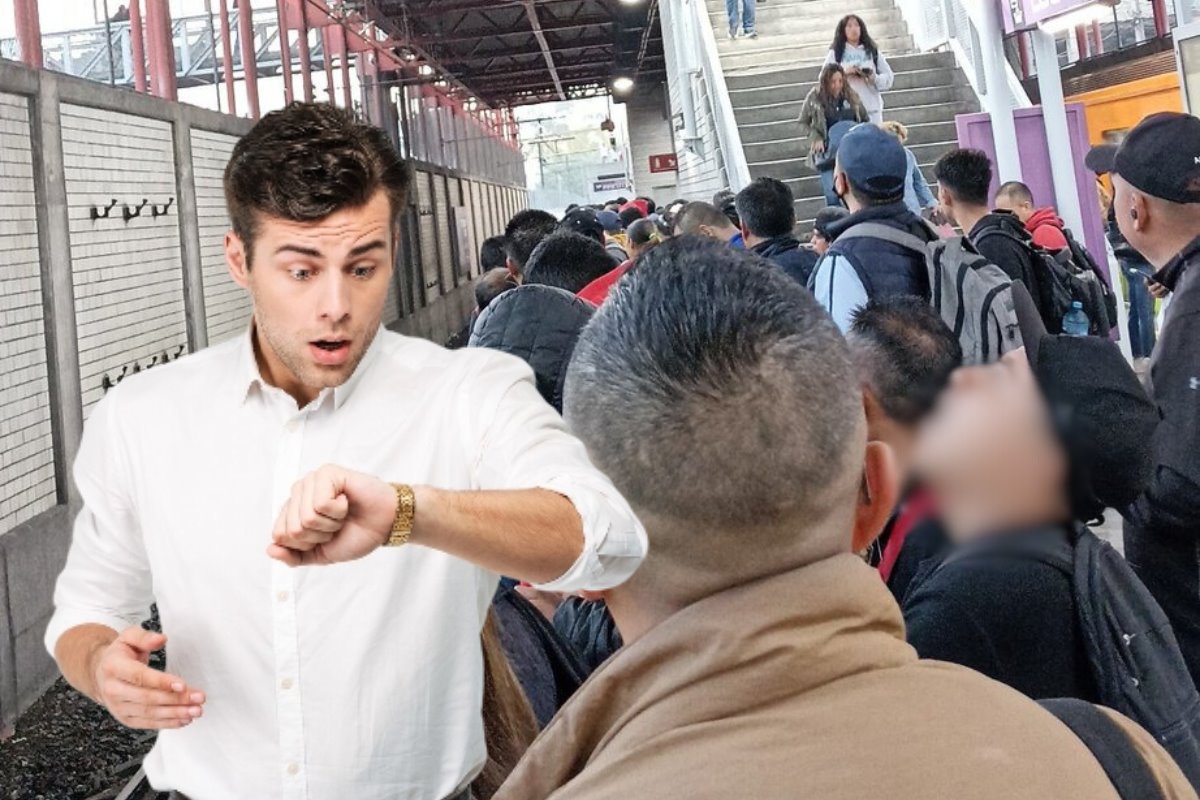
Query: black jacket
[794,258]
[589,629]
[1162,528]
[994,607]
[540,325]
[1007,251]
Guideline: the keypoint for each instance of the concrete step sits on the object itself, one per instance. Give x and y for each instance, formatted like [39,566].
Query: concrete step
[910,89]
[752,57]
[766,123]
[806,211]
[795,165]
[830,11]
[804,29]
[766,76]
[794,147]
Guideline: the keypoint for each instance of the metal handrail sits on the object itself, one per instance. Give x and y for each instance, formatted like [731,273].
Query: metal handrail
[729,138]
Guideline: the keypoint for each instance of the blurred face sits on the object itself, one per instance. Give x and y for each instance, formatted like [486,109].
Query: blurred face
[819,243]
[319,290]
[853,31]
[990,443]
[837,82]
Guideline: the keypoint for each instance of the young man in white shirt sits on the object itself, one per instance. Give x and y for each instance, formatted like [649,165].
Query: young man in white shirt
[361,680]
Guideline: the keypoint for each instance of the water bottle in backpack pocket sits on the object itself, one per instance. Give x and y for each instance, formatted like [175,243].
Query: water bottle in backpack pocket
[1076,322]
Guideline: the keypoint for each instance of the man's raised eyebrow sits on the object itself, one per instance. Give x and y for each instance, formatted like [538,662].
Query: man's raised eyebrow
[295,248]
[378,244]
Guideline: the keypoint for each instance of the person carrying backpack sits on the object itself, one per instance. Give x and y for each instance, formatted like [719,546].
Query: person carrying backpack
[883,249]
[1017,457]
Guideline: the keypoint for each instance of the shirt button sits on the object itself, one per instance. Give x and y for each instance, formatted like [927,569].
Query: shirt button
[293,426]
[286,683]
[293,769]
[281,596]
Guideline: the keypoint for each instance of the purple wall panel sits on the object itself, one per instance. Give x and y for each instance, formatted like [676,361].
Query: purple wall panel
[975,130]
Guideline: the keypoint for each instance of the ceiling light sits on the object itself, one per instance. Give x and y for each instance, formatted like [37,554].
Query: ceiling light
[622,85]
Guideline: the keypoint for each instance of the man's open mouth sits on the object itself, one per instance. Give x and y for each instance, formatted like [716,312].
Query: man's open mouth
[331,345]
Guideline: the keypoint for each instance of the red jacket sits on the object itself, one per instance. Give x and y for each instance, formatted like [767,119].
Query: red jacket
[597,291]
[1047,230]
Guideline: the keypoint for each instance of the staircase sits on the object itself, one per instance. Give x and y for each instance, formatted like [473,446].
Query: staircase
[769,77]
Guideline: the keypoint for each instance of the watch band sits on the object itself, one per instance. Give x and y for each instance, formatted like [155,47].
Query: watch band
[406,509]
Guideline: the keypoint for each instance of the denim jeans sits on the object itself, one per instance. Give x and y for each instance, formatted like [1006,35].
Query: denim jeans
[1141,310]
[831,198]
[748,6]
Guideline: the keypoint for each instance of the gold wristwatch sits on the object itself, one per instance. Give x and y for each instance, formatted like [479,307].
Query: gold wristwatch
[406,509]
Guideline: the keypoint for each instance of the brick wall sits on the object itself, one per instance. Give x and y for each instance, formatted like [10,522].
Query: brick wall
[26,446]
[226,305]
[128,275]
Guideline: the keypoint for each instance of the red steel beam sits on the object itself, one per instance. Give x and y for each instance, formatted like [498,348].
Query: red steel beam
[305,61]
[328,61]
[137,45]
[285,53]
[227,58]
[29,32]
[161,50]
[249,56]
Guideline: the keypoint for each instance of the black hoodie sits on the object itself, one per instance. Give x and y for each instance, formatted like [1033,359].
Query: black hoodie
[1010,252]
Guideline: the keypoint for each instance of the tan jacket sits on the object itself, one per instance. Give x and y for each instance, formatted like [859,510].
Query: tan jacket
[802,686]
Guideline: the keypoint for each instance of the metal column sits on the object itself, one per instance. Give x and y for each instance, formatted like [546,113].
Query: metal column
[1058,136]
[285,53]
[249,55]
[29,32]
[137,44]
[227,57]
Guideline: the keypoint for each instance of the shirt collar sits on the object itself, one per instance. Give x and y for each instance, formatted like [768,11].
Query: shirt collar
[248,378]
[1169,275]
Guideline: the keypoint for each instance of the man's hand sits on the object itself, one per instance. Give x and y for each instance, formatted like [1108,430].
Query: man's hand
[818,146]
[135,694]
[334,515]
[1157,289]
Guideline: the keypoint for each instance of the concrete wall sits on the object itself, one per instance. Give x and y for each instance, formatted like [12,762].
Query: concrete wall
[650,134]
[83,299]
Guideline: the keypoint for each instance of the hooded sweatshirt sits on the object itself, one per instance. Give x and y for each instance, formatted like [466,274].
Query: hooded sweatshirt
[1047,230]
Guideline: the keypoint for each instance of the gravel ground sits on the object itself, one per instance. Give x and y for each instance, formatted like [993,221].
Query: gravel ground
[65,747]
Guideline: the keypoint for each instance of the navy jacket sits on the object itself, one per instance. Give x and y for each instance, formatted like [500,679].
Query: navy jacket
[792,257]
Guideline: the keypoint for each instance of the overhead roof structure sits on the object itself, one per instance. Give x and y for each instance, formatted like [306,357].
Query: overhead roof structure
[514,52]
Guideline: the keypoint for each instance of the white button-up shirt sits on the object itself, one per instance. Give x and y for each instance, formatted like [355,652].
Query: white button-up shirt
[359,680]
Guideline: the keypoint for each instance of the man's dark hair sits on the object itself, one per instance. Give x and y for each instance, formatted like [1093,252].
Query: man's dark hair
[305,162]
[726,201]
[630,215]
[529,219]
[698,213]
[491,285]
[828,216]
[651,207]
[718,396]
[491,253]
[966,174]
[905,355]
[569,261]
[622,200]
[1018,191]
[585,222]
[767,208]
[642,232]
[520,246]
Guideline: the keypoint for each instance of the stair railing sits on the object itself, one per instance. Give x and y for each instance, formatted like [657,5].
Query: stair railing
[700,59]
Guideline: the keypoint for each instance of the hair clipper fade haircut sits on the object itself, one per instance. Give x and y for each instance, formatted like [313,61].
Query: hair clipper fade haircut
[712,388]
[305,162]
[767,208]
[966,174]
[905,355]
[568,261]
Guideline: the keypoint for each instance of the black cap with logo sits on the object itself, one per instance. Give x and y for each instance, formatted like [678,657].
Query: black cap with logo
[1161,157]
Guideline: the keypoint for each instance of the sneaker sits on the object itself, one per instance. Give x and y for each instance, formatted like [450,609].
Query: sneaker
[751,34]
[732,31]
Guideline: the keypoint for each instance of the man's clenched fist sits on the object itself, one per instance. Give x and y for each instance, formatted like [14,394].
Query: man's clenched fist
[135,694]
[333,515]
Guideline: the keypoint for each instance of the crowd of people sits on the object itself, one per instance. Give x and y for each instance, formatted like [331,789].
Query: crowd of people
[768,518]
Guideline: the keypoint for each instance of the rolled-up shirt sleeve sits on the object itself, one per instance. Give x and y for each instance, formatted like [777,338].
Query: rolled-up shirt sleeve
[106,580]
[526,445]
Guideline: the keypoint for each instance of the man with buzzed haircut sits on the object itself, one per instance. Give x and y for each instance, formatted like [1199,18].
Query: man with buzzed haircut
[763,659]
[705,219]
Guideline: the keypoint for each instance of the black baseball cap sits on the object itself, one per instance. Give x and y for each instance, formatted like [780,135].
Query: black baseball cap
[1100,159]
[874,162]
[1161,157]
[1100,412]
[584,221]
[826,217]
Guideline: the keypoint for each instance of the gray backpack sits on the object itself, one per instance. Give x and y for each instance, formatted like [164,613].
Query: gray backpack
[973,296]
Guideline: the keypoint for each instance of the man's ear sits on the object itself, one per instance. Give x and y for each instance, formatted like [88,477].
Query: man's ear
[237,259]
[513,272]
[1140,212]
[879,495]
[744,231]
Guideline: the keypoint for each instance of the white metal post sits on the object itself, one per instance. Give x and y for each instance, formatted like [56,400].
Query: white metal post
[998,101]
[1058,136]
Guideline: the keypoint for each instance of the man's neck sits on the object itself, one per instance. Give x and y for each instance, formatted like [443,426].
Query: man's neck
[634,614]
[753,241]
[1162,249]
[969,216]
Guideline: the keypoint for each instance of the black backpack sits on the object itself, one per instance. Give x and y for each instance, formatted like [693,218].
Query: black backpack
[1060,282]
[1087,268]
[1134,657]
[1122,763]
